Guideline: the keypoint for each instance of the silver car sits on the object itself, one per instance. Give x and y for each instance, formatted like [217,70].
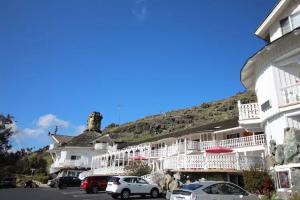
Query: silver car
[211,190]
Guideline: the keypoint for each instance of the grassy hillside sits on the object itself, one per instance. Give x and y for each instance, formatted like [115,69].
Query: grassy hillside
[166,123]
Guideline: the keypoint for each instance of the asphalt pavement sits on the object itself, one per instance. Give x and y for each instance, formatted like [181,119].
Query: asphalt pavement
[55,194]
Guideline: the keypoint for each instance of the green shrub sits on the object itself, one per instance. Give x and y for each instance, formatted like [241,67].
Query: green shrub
[41,178]
[273,197]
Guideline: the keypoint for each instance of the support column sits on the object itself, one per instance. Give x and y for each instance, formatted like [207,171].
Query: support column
[205,160]
[246,159]
[237,158]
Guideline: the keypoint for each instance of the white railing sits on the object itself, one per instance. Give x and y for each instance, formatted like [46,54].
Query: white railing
[172,150]
[101,146]
[248,111]
[84,163]
[212,161]
[112,148]
[291,94]
[241,142]
[109,171]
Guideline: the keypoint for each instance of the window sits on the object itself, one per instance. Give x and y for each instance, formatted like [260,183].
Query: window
[213,189]
[141,181]
[73,157]
[232,136]
[290,23]
[285,25]
[129,180]
[232,190]
[226,189]
[283,179]
[295,19]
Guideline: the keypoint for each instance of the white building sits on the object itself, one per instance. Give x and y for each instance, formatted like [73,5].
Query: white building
[73,154]
[274,74]
[187,151]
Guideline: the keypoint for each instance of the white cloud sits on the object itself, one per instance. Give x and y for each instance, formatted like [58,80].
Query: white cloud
[51,120]
[39,132]
[139,9]
[79,129]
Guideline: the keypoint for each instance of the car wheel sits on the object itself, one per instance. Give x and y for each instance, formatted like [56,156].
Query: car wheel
[125,194]
[94,189]
[114,196]
[154,193]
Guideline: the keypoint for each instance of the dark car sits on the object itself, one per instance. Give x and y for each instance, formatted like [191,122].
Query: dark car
[8,182]
[92,184]
[68,181]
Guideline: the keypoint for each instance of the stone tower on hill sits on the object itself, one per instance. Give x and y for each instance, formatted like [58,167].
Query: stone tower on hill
[94,121]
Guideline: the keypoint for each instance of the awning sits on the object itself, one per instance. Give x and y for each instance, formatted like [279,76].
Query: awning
[219,150]
[138,158]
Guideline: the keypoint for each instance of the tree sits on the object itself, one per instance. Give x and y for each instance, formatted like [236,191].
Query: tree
[257,181]
[6,131]
[138,168]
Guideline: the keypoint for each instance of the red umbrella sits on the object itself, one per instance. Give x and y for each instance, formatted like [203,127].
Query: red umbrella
[138,158]
[219,150]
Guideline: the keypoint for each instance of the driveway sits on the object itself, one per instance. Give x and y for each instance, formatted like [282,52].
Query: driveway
[54,194]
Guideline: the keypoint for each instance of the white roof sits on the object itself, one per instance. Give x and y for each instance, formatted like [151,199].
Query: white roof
[263,30]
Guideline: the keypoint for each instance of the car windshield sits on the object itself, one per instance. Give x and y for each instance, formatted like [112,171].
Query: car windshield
[192,186]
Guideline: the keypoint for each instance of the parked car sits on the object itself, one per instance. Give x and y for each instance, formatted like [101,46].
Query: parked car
[52,183]
[8,182]
[210,190]
[92,184]
[68,181]
[125,186]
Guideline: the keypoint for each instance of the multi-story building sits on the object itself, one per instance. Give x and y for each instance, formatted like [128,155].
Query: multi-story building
[215,151]
[274,74]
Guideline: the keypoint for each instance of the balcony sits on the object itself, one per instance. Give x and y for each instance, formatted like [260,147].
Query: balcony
[114,170]
[201,162]
[82,163]
[212,161]
[248,111]
[241,142]
[290,94]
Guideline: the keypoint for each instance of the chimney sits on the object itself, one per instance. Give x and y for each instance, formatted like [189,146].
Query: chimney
[94,122]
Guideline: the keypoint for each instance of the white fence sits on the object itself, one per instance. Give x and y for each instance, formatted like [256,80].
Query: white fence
[212,161]
[248,111]
[247,141]
[291,94]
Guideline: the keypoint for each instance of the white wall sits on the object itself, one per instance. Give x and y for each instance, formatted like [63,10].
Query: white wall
[265,89]
[274,129]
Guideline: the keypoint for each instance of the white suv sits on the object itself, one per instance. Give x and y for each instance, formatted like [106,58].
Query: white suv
[131,185]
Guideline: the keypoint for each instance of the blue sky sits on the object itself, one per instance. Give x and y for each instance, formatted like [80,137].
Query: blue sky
[62,59]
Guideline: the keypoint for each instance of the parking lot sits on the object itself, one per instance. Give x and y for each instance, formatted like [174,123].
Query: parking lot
[54,193]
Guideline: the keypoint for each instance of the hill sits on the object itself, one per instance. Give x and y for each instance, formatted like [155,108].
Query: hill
[156,126]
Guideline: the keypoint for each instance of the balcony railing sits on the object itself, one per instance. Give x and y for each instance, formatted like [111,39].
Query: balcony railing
[196,162]
[248,111]
[241,142]
[109,171]
[291,94]
[82,163]
[212,161]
